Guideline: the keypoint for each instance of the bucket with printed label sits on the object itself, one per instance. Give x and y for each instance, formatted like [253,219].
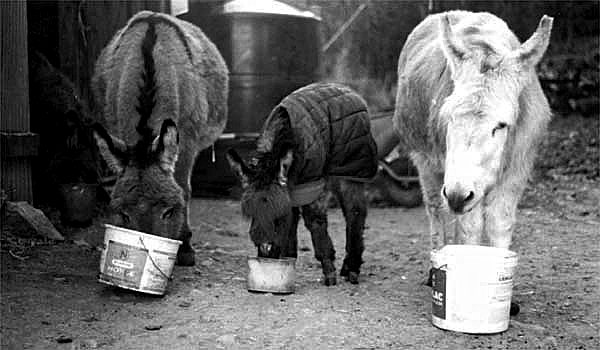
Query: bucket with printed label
[472,288]
[136,260]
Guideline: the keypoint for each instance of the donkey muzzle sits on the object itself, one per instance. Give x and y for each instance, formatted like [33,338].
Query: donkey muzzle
[268,250]
[458,200]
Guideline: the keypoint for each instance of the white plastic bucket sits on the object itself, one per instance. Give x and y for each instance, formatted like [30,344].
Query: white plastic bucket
[136,260]
[472,288]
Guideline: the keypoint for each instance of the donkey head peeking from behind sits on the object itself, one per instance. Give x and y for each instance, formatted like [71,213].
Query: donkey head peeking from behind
[482,113]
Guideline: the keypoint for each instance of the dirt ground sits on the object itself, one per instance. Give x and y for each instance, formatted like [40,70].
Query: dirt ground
[51,298]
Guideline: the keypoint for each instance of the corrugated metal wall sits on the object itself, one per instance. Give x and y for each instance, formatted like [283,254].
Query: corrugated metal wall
[14,98]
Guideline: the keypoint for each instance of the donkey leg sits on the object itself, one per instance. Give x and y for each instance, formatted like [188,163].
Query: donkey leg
[351,197]
[290,249]
[500,215]
[315,220]
[500,218]
[499,224]
[431,181]
[470,226]
[186,256]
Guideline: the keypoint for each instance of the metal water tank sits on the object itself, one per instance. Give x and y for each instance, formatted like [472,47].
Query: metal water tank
[271,49]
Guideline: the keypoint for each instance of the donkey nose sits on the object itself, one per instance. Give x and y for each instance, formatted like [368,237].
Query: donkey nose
[457,200]
[264,250]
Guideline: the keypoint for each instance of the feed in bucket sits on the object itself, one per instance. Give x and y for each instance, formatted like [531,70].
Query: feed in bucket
[271,275]
[472,288]
[136,260]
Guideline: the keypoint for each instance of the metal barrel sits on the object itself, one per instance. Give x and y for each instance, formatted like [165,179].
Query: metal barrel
[271,49]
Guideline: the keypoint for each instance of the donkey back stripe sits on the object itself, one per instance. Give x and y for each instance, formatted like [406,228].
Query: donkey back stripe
[162,20]
[147,89]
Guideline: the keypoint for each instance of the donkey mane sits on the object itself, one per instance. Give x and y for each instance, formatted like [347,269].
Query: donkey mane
[153,19]
[486,34]
[276,139]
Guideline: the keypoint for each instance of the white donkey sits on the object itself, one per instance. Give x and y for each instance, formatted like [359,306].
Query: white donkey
[471,112]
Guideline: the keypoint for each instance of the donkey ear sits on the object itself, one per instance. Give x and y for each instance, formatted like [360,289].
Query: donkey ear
[453,48]
[237,165]
[112,149]
[284,166]
[531,52]
[167,145]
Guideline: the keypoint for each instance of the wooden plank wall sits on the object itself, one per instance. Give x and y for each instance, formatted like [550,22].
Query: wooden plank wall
[85,27]
[14,97]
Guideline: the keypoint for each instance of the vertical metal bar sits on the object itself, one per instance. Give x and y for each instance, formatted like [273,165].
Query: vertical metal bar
[15,87]
[344,26]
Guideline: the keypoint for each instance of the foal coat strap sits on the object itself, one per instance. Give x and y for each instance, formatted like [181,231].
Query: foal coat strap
[306,193]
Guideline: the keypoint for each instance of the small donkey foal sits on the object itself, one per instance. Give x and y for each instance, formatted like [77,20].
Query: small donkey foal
[317,138]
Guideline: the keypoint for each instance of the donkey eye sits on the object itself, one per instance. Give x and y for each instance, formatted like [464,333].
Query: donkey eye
[168,213]
[500,126]
[125,217]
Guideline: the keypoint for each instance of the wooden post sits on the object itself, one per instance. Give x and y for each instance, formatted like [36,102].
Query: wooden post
[14,103]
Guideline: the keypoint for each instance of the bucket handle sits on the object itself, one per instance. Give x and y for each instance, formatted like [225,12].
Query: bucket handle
[152,260]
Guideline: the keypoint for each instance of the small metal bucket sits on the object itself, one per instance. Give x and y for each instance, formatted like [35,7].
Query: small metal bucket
[272,275]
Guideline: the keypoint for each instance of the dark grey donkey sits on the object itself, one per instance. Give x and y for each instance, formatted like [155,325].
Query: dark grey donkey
[320,132]
[161,87]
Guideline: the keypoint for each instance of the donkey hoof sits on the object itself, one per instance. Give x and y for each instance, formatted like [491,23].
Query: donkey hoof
[428,282]
[330,280]
[353,277]
[186,258]
[514,308]
[344,271]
